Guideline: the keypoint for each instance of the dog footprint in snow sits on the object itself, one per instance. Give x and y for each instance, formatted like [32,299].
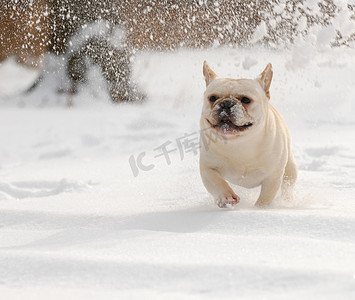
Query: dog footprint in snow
[38,189]
[91,140]
[55,154]
[322,151]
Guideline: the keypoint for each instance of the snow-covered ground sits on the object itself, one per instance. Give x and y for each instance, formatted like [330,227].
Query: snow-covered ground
[75,223]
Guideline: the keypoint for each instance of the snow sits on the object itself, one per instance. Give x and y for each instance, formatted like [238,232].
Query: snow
[260,32]
[75,223]
[325,35]
[249,62]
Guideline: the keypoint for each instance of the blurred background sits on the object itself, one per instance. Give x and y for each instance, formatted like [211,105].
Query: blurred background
[66,39]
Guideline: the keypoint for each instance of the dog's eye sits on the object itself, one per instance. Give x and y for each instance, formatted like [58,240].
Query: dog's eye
[213,99]
[245,100]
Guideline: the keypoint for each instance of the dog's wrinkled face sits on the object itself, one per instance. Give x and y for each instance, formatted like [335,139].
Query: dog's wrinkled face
[233,107]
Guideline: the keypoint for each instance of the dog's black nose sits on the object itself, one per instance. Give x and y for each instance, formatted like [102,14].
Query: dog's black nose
[226,104]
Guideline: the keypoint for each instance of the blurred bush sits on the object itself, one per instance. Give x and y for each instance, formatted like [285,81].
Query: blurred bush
[26,30]
[32,27]
[169,24]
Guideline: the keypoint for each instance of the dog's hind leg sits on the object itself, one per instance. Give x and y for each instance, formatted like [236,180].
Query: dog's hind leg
[269,189]
[289,179]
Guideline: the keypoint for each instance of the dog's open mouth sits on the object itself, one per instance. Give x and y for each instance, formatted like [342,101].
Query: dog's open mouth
[226,126]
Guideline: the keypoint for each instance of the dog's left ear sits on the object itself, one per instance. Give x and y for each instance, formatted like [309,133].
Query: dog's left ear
[265,79]
[208,73]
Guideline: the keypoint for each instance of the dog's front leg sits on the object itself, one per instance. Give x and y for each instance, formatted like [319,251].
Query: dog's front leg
[269,189]
[218,187]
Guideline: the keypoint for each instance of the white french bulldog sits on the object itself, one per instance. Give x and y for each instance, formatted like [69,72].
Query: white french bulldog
[244,139]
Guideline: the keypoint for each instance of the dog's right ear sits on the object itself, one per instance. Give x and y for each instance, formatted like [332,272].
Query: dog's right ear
[265,79]
[208,73]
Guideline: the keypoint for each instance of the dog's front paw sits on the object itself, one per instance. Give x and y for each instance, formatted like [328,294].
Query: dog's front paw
[227,200]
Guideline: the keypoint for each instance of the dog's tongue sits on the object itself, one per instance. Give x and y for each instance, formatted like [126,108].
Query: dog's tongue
[226,128]
[225,119]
